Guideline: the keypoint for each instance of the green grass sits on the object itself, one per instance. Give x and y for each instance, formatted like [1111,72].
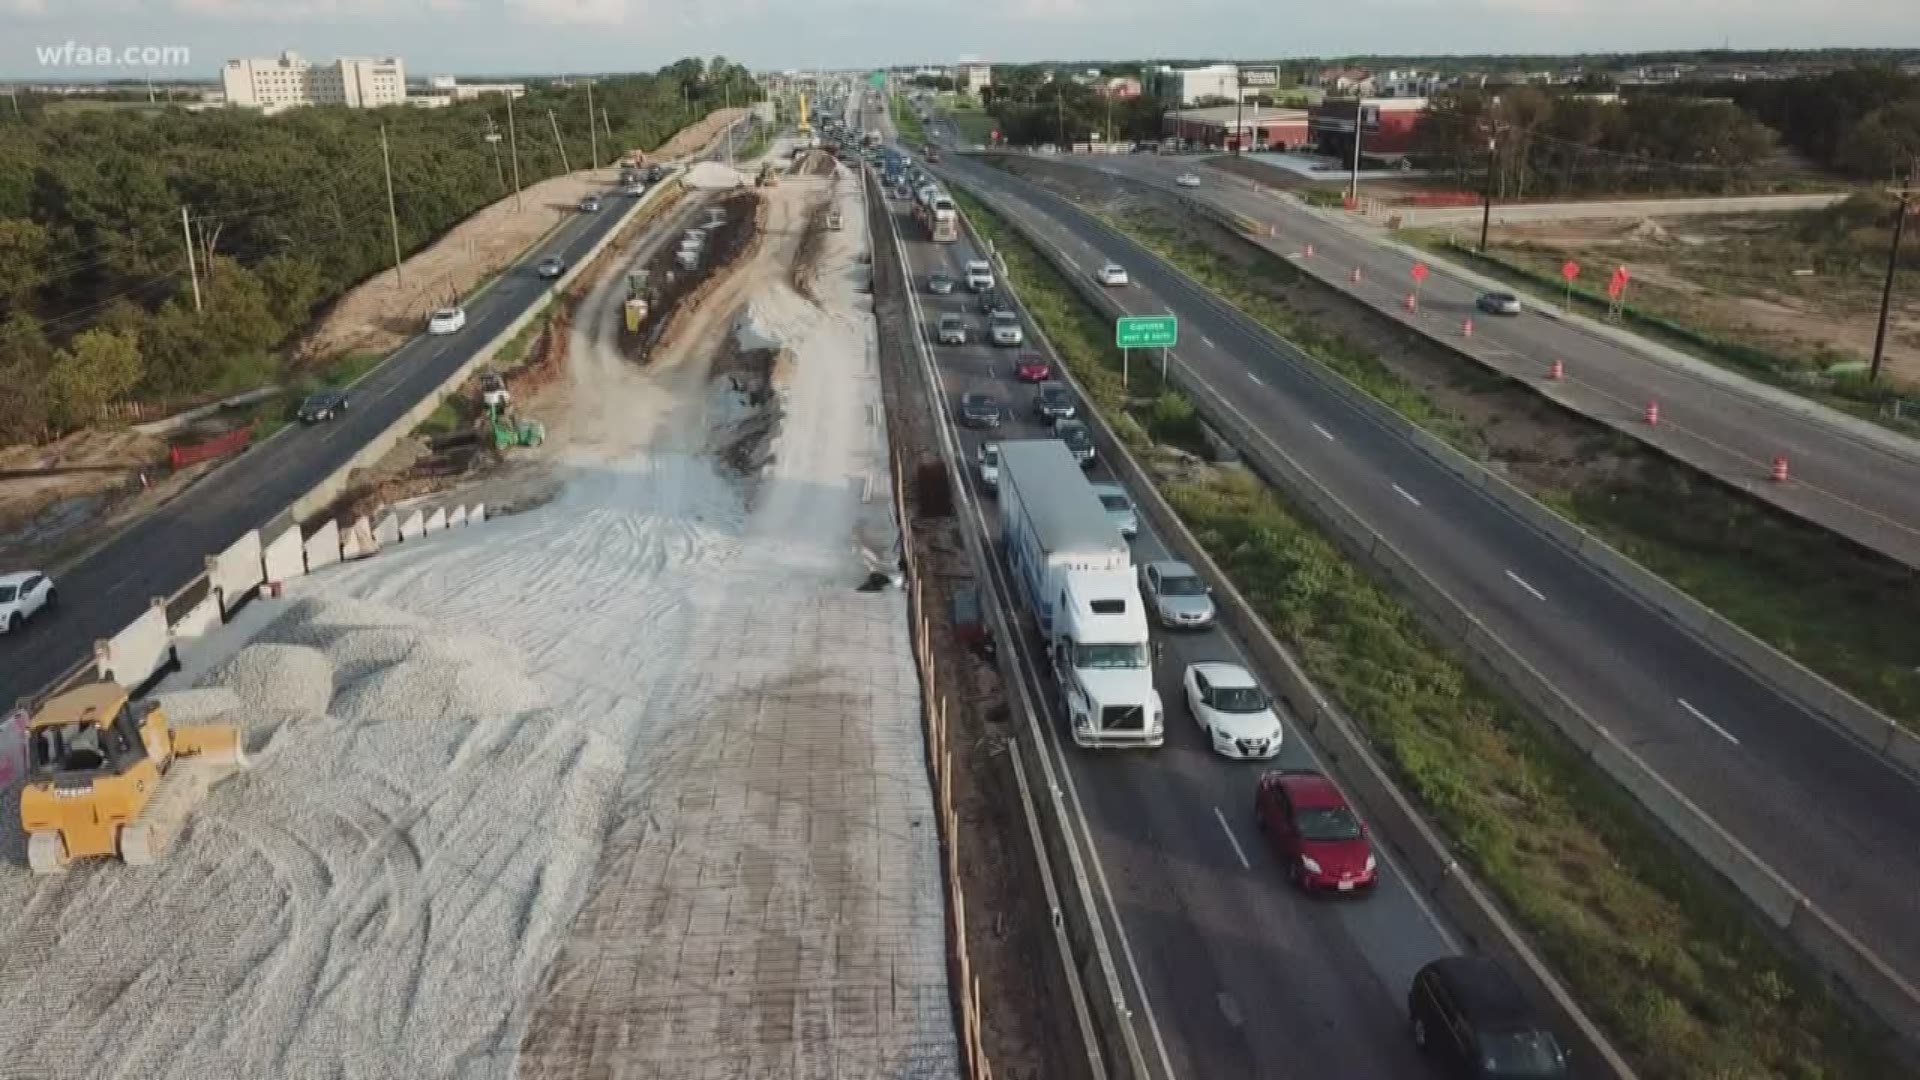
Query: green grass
[1677,976]
[974,124]
[755,144]
[515,350]
[1666,317]
[1841,611]
[907,121]
[348,367]
[443,419]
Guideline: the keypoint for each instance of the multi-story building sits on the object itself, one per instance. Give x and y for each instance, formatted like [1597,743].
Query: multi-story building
[972,76]
[290,80]
[1185,86]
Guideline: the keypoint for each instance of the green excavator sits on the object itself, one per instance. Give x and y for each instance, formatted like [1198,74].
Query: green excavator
[514,431]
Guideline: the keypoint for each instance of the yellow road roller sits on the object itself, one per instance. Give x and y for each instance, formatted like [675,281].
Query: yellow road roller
[108,776]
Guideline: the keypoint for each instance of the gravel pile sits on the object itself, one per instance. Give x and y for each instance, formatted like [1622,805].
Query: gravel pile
[713,176]
[377,897]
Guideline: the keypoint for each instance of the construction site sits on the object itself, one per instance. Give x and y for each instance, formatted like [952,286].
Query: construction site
[630,782]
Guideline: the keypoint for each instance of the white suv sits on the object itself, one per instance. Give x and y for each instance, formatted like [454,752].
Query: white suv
[979,275]
[22,595]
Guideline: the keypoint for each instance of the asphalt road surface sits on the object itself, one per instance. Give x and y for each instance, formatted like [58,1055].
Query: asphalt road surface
[1841,481]
[1827,815]
[163,551]
[1241,975]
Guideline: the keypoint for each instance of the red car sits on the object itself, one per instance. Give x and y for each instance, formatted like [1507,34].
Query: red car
[1314,832]
[1032,367]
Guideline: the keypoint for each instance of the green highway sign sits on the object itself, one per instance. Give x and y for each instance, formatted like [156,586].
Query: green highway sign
[1146,332]
[877,80]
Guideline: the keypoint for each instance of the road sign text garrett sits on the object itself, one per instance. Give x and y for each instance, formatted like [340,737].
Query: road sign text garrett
[1146,332]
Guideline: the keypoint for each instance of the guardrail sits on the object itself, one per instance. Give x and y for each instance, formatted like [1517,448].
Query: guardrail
[1830,946]
[1112,1049]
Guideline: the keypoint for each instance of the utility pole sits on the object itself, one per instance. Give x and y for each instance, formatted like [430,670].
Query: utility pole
[1060,114]
[1353,187]
[499,167]
[593,130]
[513,151]
[186,232]
[1486,198]
[607,122]
[564,167]
[1886,289]
[1239,107]
[393,216]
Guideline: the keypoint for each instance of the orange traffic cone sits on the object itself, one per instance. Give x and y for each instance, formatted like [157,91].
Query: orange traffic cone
[1556,372]
[1653,412]
[1779,473]
[1466,328]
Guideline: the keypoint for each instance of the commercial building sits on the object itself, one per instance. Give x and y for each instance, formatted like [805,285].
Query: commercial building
[972,76]
[1221,126]
[1186,86]
[1386,126]
[445,90]
[290,80]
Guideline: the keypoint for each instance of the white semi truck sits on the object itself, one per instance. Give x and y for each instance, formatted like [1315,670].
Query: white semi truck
[1073,571]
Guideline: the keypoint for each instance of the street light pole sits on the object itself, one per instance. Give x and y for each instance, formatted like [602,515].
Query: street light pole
[1886,289]
[593,131]
[1486,198]
[1353,186]
[513,151]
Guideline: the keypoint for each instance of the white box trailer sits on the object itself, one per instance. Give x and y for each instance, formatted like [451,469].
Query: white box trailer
[1074,572]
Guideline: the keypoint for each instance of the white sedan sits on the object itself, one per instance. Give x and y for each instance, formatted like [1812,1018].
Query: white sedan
[989,466]
[22,595]
[1113,274]
[1187,179]
[447,320]
[1234,712]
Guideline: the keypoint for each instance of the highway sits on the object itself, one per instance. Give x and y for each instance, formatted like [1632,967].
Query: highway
[1832,819]
[1229,972]
[165,550]
[1841,480]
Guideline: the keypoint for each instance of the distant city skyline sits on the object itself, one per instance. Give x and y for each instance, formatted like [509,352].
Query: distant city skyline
[191,39]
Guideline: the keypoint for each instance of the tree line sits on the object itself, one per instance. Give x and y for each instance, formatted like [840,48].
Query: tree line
[289,212]
[1862,122]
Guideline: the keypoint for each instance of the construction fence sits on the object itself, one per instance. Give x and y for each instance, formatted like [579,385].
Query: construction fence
[933,711]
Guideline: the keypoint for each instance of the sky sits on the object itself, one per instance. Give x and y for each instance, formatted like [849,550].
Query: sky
[192,38]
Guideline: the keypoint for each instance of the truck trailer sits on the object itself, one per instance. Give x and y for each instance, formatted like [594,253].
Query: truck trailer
[934,210]
[1073,571]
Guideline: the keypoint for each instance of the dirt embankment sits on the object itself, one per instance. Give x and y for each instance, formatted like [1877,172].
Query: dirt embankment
[694,138]
[673,290]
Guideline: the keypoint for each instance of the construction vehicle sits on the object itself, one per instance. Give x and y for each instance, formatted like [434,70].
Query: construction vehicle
[493,391]
[109,777]
[767,177]
[514,431]
[833,220]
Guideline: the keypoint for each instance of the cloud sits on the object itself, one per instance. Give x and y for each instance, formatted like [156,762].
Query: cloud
[23,7]
[291,11]
[570,12]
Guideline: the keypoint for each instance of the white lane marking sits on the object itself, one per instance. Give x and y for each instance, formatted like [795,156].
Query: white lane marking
[1255,378]
[1405,494]
[1207,340]
[1231,839]
[1522,582]
[1328,435]
[1703,718]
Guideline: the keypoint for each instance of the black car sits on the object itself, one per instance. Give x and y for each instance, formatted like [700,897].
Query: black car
[991,300]
[323,406]
[1470,1017]
[980,410]
[1078,439]
[1053,402]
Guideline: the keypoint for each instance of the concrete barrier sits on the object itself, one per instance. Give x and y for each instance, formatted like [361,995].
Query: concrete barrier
[237,571]
[358,542]
[457,517]
[323,493]
[1843,958]
[1879,986]
[323,547]
[285,556]
[13,747]
[386,532]
[131,656]
[413,526]
[476,513]
[198,620]
[436,521]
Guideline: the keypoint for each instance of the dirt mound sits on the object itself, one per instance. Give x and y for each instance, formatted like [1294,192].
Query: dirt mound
[713,176]
[1647,231]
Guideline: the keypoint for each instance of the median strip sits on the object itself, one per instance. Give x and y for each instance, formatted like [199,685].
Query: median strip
[1658,955]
